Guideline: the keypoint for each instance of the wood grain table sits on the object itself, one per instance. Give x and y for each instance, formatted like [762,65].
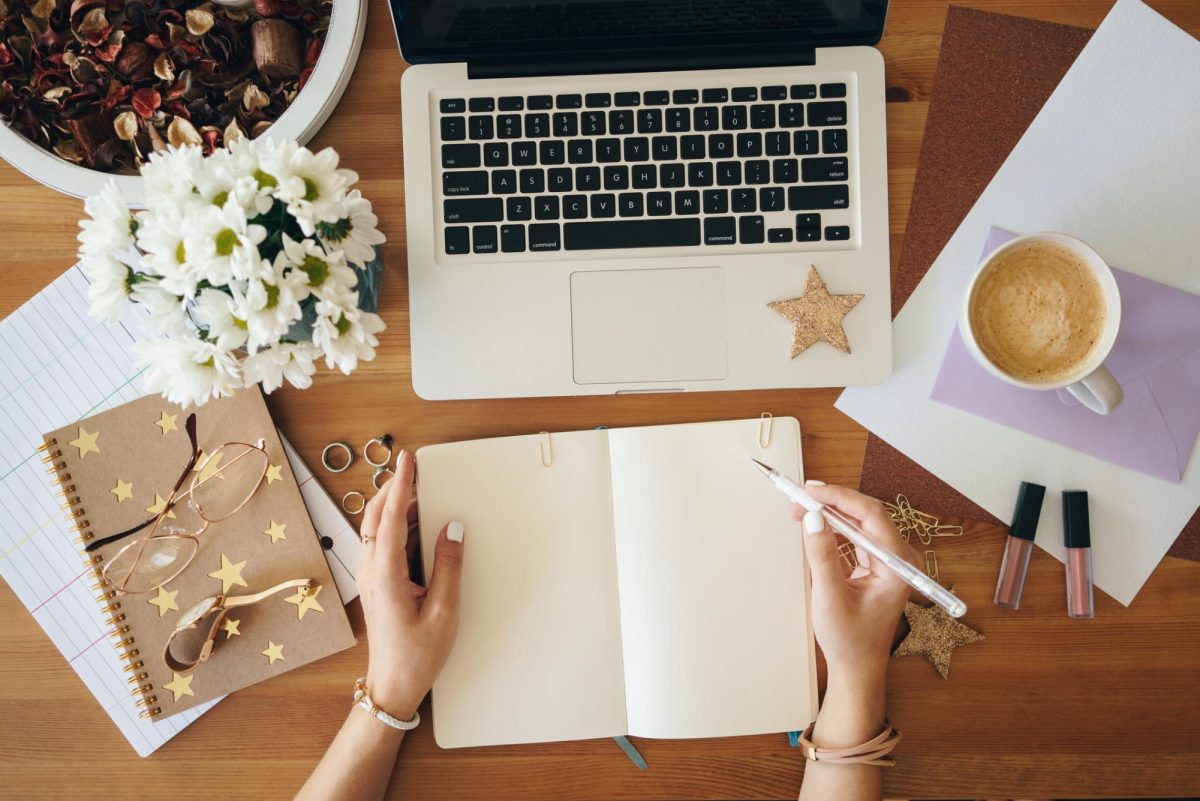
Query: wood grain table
[1044,707]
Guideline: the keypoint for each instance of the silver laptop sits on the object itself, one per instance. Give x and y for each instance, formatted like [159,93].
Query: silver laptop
[603,196]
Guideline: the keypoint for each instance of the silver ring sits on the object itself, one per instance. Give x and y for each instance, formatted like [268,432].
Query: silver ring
[384,442]
[379,471]
[332,446]
[362,502]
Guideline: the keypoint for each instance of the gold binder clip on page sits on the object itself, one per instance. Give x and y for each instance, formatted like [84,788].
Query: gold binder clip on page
[766,427]
[546,449]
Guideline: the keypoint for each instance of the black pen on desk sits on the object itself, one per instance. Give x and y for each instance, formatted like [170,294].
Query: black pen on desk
[951,603]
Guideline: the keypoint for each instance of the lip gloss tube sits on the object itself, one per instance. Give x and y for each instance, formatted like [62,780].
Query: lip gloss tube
[1019,546]
[1077,536]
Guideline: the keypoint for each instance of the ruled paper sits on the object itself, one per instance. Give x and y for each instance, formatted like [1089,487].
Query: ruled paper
[57,365]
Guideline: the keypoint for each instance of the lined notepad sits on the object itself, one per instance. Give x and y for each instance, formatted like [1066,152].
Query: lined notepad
[57,365]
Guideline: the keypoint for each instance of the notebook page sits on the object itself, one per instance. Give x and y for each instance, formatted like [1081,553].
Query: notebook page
[715,627]
[538,652]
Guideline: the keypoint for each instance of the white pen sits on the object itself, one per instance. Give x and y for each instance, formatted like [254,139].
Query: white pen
[849,529]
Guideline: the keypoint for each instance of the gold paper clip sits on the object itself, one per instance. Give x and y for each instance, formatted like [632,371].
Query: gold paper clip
[931,565]
[766,428]
[849,555]
[546,449]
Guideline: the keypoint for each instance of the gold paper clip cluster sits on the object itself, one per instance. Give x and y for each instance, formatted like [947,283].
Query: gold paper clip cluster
[909,521]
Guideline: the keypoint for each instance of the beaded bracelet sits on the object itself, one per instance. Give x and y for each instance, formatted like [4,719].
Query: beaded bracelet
[362,699]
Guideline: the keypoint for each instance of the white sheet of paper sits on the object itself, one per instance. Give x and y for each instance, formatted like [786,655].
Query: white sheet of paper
[1112,158]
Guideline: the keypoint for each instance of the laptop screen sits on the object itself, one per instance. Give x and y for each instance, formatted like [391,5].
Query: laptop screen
[463,30]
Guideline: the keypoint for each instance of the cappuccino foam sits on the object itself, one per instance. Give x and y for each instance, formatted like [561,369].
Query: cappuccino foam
[1037,312]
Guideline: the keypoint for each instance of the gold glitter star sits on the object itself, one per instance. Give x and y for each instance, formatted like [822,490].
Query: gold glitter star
[231,627]
[230,574]
[85,442]
[123,490]
[305,600]
[208,465]
[179,685]
[273,653]
[157,506]
[274,473]
[165,601]
[934,635]
[276,532]
[166,422]
[816,316]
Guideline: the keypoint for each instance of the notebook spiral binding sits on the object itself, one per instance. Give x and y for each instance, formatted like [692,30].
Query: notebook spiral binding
[118,633]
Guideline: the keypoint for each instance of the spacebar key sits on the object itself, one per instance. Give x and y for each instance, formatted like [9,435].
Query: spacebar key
[605,235]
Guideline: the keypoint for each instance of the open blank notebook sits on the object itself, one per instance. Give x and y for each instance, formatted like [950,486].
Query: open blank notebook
[643,581]
[57,366]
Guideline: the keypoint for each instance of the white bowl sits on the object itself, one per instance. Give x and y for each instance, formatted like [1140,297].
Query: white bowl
[302,119]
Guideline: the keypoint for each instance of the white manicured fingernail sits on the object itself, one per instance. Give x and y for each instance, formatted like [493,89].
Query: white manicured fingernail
[814,523]
[812,482]
[454,531]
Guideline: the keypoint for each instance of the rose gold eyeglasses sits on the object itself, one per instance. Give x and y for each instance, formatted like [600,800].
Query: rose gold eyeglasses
[224,483]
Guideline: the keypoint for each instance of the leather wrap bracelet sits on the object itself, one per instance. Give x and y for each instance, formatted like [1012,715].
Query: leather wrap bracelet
[873,752]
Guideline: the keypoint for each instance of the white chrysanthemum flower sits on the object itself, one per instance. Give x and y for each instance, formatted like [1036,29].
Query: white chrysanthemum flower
[291,360]
[356,234]
[345,333]
[228,177]
[222,245]
[109,231]
[311,184]
[187,370]
[166,313]
[271,303]
[217,315]
[110,283]
[324,272]
[160,237]
[169,177]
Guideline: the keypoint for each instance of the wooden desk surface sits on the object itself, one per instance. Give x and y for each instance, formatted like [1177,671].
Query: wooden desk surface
[1043,707]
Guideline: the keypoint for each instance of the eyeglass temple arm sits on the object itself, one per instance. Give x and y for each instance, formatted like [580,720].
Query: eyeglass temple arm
[246,600]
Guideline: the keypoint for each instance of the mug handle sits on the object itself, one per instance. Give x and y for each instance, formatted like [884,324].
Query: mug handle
[1098,391]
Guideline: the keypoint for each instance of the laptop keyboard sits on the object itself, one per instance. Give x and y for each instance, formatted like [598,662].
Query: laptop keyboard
[600,171]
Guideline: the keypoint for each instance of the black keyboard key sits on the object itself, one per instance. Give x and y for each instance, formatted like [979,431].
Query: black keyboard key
[751,230]
[683,97]
[658,204]
[808,220]
[587,179]
[687,202]
[837,233]
[808,234]
[456,157]
[592,123]
[803,91]
[650,121]
[545,236]
[791,115]
[512,237]
[716,201]
[524,154]
[806,198]
[519,207]
[532,182]
[720,231]
[461,182]
[749,145]
[553,151]
[598,100]
[629,204]
[579,151]
[537,126]
[671,176]
[771,198]
[700,173]
[778,143]
[616,177]
[568,101]
[783,171]
[504,182]
[454,105]
[645,176]
[691,147]
[774,93]
[458,237]
[566,123]
[745,94]
[729,173]
[833,90]
[779,235]
[575,207]
[508,126]
[804,143]
[664,148]
[758,171]
[656,98]
[559,179]
[831,169]
[626,99]
[546,207]
[678,120]
[831,113]
[631,234]
[483,238]
[608,150]
[539,102]
[720,146]
[481,104]
[637,148]
[762,116]
[706,118]
[714,95]
[604,205]
[511,103]
[620,121]
[481,127]
[454,129]
[743,200]
[495,154]
[833,140]
[733,118]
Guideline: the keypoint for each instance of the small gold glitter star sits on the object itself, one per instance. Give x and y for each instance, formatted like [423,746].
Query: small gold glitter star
[123,490]
[816,316]
[166,422]
[274,473]
[276,532]
[179,685]
[85,442]
[305,600]
[230,574]
[231,627]
[157,506]
[165,601]
[934,635]
[273,653]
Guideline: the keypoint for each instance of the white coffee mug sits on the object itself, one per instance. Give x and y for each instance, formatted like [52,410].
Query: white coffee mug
[1092,384]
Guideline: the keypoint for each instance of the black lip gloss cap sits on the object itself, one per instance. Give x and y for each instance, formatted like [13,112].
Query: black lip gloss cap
[1077,531]
[1028,511]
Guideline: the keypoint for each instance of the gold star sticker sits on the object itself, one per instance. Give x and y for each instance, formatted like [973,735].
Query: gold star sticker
[274,473]
[123,490]
[276,532]
[934,635]
[305,600]
[165,601]
[231,627]
[179,685]
[207,466]
[816,316]
[166,422]
[85,442]
[230,574]
[157,506]
[273,653]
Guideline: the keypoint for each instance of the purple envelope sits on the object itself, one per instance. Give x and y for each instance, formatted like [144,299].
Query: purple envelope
[1156,359]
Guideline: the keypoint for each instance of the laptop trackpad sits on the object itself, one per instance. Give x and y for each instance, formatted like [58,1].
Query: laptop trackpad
[648,325]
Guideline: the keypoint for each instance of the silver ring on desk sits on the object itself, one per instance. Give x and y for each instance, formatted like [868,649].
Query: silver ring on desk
[335,446]
[384,442]
[379,471]
[362,502]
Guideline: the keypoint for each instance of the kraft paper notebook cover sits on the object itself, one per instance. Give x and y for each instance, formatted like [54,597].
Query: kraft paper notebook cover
[644,581]
[115,467]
